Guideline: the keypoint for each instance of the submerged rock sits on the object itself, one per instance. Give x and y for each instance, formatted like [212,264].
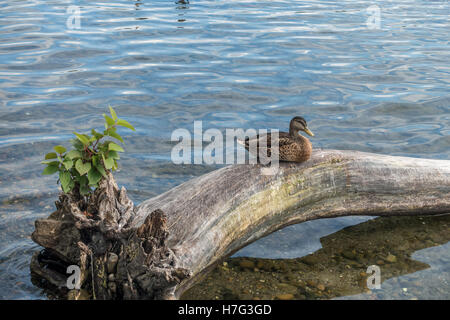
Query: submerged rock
[285,296]
[391,258]
[247,264]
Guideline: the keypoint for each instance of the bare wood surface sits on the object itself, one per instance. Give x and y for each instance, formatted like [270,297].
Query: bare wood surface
[202,221]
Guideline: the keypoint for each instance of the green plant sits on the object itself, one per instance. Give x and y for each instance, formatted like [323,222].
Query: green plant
[90,159]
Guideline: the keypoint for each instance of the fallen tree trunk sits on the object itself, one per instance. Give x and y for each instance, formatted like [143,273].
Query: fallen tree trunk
[160,248]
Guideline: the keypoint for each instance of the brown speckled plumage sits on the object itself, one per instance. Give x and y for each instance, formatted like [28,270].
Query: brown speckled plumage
[292,146]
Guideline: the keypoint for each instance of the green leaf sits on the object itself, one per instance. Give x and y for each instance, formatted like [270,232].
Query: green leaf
[77,144]
[101,170]
[65,178]
[50,155]
[73,154]
[68,164]
[81,167]
[113,154]
[75,174]
[84,189]
[109,121]
[113,113]
[101,167]
[94,160]
[109,163]
[83,180]
[125,123]
[67,188]
[83,138]
[50,169]
[94,176]
[53,163]
[59,149]
[116,135]
[96,134]
[114,147]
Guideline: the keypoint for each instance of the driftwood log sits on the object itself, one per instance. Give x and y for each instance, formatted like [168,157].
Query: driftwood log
[160,248]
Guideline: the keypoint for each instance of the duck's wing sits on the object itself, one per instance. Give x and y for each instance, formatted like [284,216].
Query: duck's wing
[285,140]
[265,140]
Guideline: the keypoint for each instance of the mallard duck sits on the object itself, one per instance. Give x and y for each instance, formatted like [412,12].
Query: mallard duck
[292,146]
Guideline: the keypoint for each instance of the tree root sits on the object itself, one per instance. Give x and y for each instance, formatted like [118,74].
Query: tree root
[116,262]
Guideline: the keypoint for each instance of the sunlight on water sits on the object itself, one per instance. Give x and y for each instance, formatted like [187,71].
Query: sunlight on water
[246,64]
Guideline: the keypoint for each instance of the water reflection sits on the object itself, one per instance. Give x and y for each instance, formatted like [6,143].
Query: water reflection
[339,268]
[137,4]
[182,5]
[231,64]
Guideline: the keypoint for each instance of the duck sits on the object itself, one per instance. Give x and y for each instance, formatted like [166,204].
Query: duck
[293,147]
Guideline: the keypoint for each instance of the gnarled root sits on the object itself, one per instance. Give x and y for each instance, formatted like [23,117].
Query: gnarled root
[116,262]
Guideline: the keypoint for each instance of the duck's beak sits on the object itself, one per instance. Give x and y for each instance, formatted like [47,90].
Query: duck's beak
[309,132]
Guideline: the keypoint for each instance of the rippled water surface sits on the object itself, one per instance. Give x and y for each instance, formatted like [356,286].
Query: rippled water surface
[248,64]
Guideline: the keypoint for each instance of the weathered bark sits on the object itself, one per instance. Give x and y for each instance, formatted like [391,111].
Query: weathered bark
[168,242]
[121,263]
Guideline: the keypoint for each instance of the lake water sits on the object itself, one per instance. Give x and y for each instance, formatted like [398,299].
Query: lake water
[362,83]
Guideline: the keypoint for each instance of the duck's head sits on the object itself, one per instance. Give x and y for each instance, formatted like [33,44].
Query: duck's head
[299,124]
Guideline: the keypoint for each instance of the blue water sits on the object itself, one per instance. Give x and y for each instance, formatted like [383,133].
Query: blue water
[244,64]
